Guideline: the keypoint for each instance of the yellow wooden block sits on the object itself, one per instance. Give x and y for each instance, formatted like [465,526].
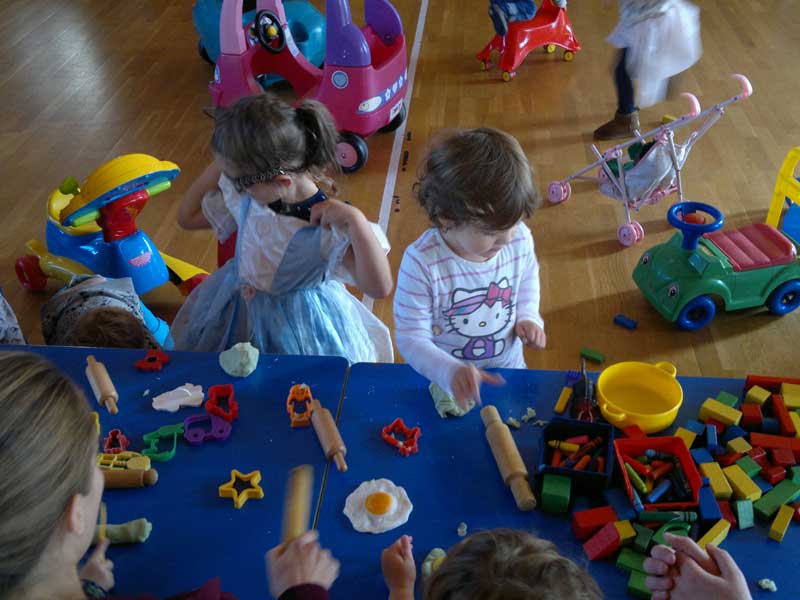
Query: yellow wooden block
[716,535]
[687,436]
[561,405]
[781,523]
[791,395]
[757,395]
[626,531]
[714,409]
[740,445]
[720,486]
[742,486]
[796,422]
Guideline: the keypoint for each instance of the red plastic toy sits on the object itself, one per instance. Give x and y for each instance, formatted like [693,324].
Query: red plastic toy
[154,361]
[222,393]
[115,442]
[410,442]
[549,28]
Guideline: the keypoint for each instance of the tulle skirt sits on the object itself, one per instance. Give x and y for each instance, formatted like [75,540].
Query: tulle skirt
[321,320]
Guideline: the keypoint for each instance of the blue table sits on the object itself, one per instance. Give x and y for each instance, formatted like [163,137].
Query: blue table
[197,535]
[454,478]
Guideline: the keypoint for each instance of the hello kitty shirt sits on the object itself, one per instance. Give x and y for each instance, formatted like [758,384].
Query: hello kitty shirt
[449,310]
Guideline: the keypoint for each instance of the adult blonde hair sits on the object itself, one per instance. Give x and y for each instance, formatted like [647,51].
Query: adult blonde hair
[48,444]
[506,564]
[478,177]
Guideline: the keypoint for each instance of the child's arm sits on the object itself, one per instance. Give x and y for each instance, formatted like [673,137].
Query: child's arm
[190,212]
[364,259]
[530,325]
[399,570]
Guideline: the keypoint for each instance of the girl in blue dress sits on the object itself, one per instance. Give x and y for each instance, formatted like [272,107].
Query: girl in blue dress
[296,248]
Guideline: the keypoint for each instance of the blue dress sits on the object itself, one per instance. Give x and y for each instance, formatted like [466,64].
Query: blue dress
[282,292]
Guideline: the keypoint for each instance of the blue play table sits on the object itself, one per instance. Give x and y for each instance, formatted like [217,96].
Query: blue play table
[197,535]
[454,478]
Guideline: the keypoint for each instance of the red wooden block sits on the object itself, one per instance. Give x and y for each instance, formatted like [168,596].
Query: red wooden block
[727,513]
[773,384]
[783,457]
[634,432]
[774,474]
[759,455]
[720,427]
[768,441]
[603,543]
[752,417]
[781,413]
[587,522]
[727,459]
[796,507]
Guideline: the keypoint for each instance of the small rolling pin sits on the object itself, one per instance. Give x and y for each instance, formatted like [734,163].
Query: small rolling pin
[297,505]
[103,388]
[507,457]
[129,478]
[328,435]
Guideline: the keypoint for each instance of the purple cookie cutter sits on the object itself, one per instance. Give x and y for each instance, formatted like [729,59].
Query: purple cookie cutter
[220,429]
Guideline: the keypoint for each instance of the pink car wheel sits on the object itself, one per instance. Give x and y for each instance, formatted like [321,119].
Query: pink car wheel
[558,191]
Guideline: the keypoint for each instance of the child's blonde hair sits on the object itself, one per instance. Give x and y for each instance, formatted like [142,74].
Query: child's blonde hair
[506,564]
[479,177]
[48,444]
[110,327]
[263,136]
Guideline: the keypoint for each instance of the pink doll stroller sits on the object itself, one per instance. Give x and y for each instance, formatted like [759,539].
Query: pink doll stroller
[647,168]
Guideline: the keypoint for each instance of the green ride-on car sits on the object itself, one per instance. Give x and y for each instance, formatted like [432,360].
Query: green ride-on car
[755,265]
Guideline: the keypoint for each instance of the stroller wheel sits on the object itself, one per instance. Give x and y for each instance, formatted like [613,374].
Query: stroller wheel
[627,234]
[558,191]
[639,231]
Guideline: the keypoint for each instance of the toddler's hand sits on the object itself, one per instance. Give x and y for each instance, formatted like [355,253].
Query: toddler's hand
[399,570]
[466,384]
[98,568]
[334,212]
[530,334]
[686,571]
[301,561]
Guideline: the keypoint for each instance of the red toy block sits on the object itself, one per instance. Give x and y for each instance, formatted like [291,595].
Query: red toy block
[768,441]
[719,426]
[587,522]
[783,457]
[222,393]
[752,417]
[153,361]
[781,413]
[603,543]
[759,455]
[727,459]
[773,384]
[774,474]
[727,513]
[634,432]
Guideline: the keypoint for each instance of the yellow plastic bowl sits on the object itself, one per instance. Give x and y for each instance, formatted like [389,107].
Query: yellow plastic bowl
[637,393]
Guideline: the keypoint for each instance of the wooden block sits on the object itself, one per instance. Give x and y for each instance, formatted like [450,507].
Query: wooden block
[592,355]
[714,409]
[786,491]
[739,445]
[791,395]
[720,485]
[603,543]
[796,422]
[781,413]
[586,522]
[783,457]
[687,436]
[630,560]
[643,537]
[727,512]
[752,416]
[637,585]
[757,395]
[728,399]
[750,467]
[626,532]
[742,486]
[781,523]
[716,535]
[743,509]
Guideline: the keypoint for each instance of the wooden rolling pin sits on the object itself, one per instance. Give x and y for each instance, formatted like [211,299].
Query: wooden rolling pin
[129,478]
[328,435]
[103,388]
[507,457]
[297,505]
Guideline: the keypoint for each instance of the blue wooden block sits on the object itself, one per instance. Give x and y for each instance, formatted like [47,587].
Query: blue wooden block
[711,439]
[731,433]
[581,503]
[770,425]
[625,322]
[618,500]
[707,505]
[763,484]
[695,427]
[701,455]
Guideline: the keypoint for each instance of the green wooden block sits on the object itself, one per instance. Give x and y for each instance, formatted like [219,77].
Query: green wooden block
[643,537]
[556,491]
[783,493]
[728,399]
[794,474]
[630,560]
[750,467]
[592,355]
[637,586]
[743,509]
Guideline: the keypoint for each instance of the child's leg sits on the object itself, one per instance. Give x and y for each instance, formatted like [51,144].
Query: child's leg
[626,121]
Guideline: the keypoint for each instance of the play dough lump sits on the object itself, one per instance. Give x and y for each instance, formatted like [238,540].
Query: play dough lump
[240,360]
[377,505]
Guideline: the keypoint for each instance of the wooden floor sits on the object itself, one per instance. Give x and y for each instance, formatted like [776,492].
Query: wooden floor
[82,82]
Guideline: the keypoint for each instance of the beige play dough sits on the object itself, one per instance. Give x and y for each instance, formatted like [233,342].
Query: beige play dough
[240,360]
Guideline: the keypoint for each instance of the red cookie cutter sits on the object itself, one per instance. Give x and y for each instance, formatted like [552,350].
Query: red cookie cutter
[299,394]
[115,442]
[220,394]
[154,361]
[406,446]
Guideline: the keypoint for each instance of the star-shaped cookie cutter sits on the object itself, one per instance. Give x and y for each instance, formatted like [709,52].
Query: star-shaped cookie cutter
[228,490]
[406,446]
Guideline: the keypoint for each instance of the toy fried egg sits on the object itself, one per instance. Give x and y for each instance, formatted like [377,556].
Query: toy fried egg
[377,505]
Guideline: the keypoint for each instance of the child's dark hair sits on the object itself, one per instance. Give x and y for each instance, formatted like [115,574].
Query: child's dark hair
[506,564]
[262,134]
[479,177]
[110,327]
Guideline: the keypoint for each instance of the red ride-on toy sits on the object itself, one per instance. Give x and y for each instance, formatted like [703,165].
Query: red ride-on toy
[549,28]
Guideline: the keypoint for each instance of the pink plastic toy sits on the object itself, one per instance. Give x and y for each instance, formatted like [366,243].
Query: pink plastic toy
[363,82]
